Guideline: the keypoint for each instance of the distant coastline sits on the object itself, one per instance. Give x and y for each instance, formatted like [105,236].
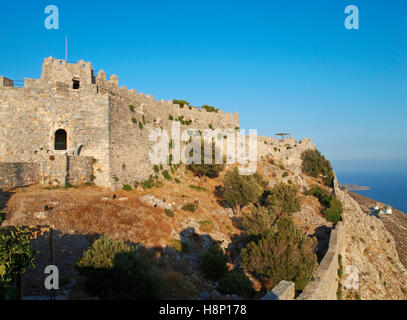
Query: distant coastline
[352,187]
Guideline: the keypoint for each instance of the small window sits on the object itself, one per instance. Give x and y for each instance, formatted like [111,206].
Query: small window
[76,84]
[60,139]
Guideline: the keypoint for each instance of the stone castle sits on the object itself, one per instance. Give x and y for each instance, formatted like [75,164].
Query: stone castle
[71,126]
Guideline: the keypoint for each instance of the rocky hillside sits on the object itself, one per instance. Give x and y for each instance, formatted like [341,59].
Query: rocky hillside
[372,249]
[176,220]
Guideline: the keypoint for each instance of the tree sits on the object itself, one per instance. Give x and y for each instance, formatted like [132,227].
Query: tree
[315,164]
[214,263]
[16,255]
[240,190]
[283,198]
[282,253]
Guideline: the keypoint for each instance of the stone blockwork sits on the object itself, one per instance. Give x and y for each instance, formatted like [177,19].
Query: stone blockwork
[102,120]
[18,174]
[59,170]
[324,285]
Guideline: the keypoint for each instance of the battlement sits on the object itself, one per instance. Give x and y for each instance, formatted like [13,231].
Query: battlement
[71,74]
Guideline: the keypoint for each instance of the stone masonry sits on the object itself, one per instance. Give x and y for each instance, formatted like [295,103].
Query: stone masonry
[104,122]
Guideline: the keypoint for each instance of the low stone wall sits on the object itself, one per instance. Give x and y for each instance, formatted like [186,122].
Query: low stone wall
[285,290]
[325,284]
[60,169]
[18,174]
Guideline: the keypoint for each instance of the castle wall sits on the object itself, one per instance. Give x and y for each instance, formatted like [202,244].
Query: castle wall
[30,116]
[18,174]
[129,144]
[54,70]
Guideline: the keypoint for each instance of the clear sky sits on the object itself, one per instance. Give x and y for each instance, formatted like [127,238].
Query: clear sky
[282,65]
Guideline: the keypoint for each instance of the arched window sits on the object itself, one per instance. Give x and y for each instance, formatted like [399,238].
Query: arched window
[60,139]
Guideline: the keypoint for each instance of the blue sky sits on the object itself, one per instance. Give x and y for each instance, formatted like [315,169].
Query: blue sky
[282,65]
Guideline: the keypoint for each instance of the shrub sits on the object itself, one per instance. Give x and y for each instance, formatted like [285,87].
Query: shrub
[285,174]
[151,183]
[198,188]
[189,207]
[16,255]
[155,168]
[283,198]
[180,246]
[131,108]
[334,211]
[68,186]
[180,102]
[315,164]
[166,175]
[321,194]
[140,125]
[258,221]
[236,283]
[178,287]
[282,253]
[115,270]
[127,187]
[239,190]
[202,169]
[169,212]
[134,120]
[177,180]
[209,108]
[213,263]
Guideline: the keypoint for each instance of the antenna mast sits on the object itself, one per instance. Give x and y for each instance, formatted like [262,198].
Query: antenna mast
[66,48]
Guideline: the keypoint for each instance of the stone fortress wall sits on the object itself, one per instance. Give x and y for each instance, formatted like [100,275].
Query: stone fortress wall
[99,123]
[129,144]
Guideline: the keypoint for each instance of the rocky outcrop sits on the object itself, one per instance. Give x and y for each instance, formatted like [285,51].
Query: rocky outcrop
[371,252]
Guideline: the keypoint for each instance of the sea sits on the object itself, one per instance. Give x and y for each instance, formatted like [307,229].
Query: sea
[388,186]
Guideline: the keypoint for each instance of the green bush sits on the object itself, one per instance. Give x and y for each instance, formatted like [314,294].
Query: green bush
[16,255]
[198,188]
[166,175]
[180,102]
[282,198]
[315,164]
[169,212]
[283,253]
[213,264]
[209,108]
[115,270]
[240,190]
[334,211]
[155,167]
[258,221]
[131,108]
[236,283]
[321,194]
[189,207]
[127,187]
